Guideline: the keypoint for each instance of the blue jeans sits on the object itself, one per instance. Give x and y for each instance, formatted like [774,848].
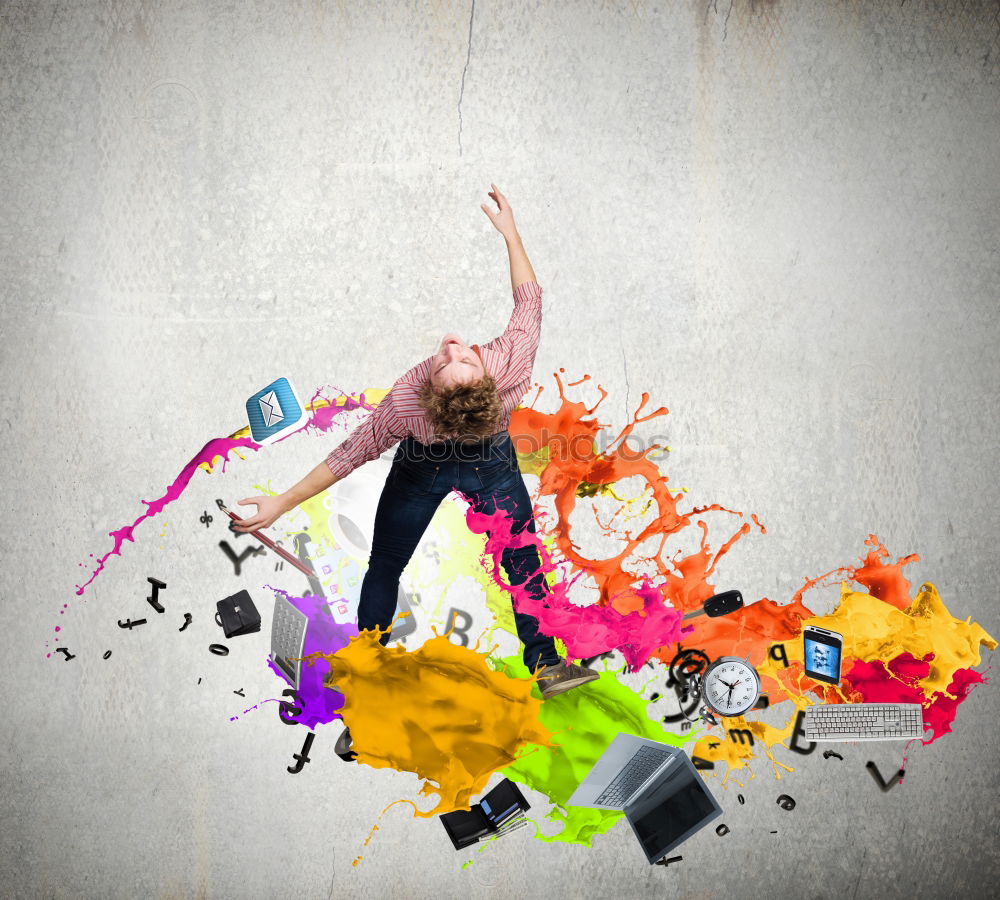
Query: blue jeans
[420,478]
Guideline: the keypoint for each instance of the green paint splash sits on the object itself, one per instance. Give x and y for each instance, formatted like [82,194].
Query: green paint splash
[583,721]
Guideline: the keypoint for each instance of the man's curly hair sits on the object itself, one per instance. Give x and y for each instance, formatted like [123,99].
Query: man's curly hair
[470,411]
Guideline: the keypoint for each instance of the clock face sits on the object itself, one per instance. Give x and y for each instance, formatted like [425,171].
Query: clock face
[731,686]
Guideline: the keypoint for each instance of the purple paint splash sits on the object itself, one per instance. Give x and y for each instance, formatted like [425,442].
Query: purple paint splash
[256,706]
[319,704]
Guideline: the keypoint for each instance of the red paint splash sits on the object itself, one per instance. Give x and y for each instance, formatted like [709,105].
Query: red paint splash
[897,682]
[874,682]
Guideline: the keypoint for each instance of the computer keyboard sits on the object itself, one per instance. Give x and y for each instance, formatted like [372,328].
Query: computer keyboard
[864,722]
[637,770]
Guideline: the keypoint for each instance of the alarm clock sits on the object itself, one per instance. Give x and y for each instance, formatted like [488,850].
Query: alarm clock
[730,686]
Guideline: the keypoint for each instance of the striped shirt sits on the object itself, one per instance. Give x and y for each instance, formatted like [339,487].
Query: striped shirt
[508,358]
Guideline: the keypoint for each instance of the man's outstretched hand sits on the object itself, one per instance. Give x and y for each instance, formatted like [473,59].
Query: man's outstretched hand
[503,221]
[269,509]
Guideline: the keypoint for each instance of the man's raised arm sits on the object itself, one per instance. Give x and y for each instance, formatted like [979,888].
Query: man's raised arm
[520,268]
[503,221]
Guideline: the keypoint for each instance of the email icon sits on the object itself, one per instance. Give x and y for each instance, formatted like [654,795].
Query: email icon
[271,409]
[274,411]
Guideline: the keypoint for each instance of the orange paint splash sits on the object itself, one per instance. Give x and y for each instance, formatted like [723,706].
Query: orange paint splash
[747,632]
[560,447]
[368,839]
[439,712]
[885,580]
[573,463]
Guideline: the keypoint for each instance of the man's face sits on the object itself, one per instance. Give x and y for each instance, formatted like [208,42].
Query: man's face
[455,363]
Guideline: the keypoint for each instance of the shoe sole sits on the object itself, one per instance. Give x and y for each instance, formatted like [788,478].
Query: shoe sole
[563,686]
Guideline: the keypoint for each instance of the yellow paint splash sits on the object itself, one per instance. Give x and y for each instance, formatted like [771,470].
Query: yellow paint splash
[734,746]
[873,630]
[448,556]
[439,712]
[876,630]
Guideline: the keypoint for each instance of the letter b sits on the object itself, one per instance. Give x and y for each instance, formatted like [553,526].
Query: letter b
[453,628]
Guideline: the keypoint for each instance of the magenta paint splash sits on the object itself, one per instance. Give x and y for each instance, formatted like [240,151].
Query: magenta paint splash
[215,448]
[321,419]
[586,630]
[257,705]
[941,712]
[322,416]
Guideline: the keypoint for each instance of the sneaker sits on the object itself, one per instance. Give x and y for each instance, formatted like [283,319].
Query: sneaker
[563,676]
[343,747]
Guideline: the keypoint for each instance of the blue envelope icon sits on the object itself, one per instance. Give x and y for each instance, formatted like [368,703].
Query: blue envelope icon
[273,411]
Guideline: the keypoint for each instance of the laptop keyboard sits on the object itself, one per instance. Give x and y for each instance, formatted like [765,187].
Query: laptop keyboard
[645,762]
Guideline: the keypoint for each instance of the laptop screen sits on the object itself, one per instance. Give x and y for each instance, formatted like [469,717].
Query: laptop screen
[673,810]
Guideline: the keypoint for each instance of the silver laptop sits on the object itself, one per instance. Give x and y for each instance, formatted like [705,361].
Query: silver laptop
[657,787]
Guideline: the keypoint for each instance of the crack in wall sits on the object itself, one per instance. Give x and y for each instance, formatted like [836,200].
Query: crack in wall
[461,94]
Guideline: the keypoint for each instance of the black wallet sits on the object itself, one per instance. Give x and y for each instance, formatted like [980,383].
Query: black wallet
[237,615]
[487,817]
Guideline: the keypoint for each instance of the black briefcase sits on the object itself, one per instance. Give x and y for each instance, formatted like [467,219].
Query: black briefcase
[237,615]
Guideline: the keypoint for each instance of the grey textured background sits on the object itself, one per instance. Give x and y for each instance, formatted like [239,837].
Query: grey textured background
[778,218]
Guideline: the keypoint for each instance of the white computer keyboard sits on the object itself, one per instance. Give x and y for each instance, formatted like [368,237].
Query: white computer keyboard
[864,722]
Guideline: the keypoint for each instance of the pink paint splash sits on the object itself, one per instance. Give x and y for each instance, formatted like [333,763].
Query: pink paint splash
[586,630]
[218,447]
[321,419]
[635,613]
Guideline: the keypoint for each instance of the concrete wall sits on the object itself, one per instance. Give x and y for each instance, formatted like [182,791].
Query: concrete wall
[778,218]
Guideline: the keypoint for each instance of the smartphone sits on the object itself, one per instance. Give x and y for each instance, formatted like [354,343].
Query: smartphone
[822,652]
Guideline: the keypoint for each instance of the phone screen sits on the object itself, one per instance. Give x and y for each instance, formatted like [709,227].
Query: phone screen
[822,655]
